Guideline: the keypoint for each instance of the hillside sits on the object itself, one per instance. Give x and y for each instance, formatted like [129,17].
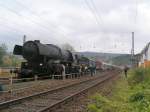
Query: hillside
[122,60]
[114,58]
[100,56]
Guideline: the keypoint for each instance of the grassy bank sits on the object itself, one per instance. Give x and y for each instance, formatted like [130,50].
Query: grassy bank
[129,95]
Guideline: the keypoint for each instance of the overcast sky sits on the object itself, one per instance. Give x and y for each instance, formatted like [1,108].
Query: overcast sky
[88,25]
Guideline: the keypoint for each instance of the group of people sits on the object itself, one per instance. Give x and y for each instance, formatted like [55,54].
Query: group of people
[92,70]
[84,69]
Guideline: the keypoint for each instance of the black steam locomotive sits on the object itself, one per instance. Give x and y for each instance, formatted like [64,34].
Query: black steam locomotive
[47,59]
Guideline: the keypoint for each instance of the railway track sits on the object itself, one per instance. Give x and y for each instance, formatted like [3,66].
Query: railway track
[48,100]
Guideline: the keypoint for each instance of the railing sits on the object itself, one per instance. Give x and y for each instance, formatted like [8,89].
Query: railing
[10,81]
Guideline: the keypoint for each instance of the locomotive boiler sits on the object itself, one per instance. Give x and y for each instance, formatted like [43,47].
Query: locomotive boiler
[34,51]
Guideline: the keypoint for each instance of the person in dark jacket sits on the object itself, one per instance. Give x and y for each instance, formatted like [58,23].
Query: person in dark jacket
[126,71]
[91,68]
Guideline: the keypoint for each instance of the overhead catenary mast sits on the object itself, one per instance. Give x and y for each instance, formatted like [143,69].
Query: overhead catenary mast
[132,50]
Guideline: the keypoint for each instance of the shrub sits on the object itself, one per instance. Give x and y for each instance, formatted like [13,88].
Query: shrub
[136,97]
[139,75]
[132,95]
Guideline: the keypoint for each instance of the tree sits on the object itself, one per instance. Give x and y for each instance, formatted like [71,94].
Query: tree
[67,46]
[16,61]
[3,52]
[7,58]
[7,61]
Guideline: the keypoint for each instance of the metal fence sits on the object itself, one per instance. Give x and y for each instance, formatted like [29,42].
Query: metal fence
[10,81]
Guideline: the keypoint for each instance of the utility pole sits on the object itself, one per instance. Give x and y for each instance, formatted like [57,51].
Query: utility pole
[132,43]
[24,39]
[132,50]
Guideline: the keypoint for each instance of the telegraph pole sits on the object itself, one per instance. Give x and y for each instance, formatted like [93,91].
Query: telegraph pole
[132,43]
[132,50]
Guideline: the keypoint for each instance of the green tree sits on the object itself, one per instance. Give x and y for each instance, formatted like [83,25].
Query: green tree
[16,61]
[7,61]
[3,52]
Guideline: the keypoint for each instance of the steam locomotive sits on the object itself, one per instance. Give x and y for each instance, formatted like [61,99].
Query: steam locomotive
[47,59]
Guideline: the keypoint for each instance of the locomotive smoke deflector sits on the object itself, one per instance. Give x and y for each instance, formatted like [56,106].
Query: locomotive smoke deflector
[17,50]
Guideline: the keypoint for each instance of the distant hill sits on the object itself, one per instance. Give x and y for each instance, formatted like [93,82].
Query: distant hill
[114,58]
[122,60]
[101,56]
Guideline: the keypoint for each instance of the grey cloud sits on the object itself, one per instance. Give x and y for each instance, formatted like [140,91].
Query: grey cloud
[71,21]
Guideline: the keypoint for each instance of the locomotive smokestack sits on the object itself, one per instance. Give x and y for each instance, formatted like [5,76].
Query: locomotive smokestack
[24,39]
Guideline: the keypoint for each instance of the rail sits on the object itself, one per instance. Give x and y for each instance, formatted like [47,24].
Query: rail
[72,96]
